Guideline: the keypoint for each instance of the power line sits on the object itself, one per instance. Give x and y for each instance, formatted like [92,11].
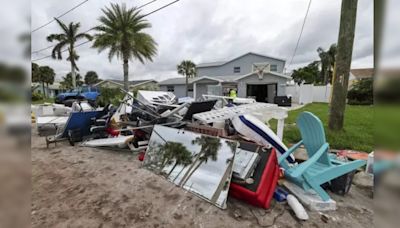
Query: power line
[92,28]
[73,8]
[36,51]
[301,33]
[48,56]
[162,7]
[146,4]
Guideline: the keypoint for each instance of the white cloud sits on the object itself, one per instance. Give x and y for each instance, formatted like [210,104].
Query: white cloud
[211,30]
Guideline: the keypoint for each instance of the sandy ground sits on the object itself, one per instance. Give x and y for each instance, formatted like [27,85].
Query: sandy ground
[87,187]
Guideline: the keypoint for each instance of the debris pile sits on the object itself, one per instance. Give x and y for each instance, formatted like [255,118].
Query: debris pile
[212,148]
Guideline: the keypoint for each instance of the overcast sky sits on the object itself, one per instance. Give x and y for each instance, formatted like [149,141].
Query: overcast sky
[210,30]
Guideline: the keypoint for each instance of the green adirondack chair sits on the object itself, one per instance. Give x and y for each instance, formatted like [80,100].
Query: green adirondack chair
[320,167]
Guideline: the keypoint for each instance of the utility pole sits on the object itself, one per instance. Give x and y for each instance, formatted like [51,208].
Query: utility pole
[343,64]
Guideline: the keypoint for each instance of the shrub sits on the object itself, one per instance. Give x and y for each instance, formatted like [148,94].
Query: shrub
[361,93]
[37,96]
[109,96]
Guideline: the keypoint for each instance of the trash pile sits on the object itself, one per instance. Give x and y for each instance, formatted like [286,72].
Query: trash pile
[213,148]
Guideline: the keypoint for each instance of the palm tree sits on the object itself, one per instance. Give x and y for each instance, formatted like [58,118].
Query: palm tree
[188,69]
[121,32]
[325,62]
[179,153]
[328,59]
[67,38]
[209,149]
[47,74]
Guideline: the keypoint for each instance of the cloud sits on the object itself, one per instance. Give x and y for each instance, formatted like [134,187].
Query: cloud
[211,30]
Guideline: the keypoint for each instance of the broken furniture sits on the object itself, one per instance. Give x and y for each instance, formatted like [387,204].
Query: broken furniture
[262,111]
[76,120]
[285,101]
[320,167]
[155,98]
[224,100]
[265,175]
[255,130]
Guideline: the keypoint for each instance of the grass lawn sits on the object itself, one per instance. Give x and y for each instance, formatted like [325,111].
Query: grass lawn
[45,100]
[358,132]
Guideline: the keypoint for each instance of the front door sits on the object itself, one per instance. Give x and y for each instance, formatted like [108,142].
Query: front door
[262,93]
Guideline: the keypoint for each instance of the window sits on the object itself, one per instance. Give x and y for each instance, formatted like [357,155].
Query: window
[274,68]
[236,70]
[170,88]
[85,89]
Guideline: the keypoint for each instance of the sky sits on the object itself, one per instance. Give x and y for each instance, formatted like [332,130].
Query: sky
[207,31]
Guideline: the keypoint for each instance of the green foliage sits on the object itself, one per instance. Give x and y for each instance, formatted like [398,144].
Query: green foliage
[67,38]
[187,68]
[109,96]
[47,74]
[357,134]
[37,96]
[91,78]
[121,32]
[67,81]
[361,93]
[328,59]
[308,74]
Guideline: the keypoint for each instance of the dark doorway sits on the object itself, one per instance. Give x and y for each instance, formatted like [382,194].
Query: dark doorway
[263,93]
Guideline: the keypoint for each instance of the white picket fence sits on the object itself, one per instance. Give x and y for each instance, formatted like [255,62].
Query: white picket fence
[308,93]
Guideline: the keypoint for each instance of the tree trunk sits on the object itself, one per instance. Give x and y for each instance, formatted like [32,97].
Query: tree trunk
[187,85]
[343,64]
[169,173]
[197,156]
[73,76]
[44,91]
[221,185]
[126,79]
[176,177]
[326,73]
[47,89]
[191,173]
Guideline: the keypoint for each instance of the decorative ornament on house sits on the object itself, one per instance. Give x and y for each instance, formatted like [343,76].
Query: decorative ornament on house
[260,69]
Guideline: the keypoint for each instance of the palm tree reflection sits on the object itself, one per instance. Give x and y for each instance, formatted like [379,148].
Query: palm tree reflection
[209,149]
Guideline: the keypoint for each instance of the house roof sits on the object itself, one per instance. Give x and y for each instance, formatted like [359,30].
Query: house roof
[220,63]
[225,78]
[121,82]
[55,85]
[174,81]
[362,73]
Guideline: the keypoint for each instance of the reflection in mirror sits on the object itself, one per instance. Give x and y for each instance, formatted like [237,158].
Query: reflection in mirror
[201,164]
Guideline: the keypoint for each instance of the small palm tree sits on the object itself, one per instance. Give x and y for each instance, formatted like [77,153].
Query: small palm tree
[328,59]
[67,38]
[121,32]
[188,69]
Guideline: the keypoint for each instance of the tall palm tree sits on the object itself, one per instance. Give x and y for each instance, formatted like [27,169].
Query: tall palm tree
[68,38]
[121,32]
[188,69]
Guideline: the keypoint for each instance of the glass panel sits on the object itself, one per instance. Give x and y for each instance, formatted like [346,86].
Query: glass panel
[200,164]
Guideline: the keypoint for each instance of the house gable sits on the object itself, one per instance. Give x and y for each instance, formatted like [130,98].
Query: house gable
[239,66]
